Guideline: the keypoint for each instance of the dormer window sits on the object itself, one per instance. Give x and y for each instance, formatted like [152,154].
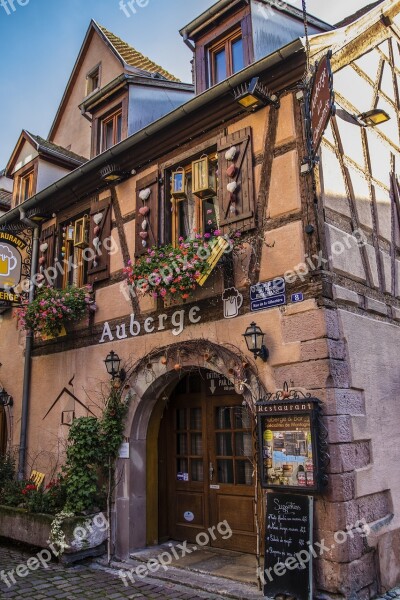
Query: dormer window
[226,57]
[111,130]
[25,190]
[93,80]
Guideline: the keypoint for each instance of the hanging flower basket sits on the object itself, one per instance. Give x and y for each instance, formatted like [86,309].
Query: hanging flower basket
[53,309]
[174,272]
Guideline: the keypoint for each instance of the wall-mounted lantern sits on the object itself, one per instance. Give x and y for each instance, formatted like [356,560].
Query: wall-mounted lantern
[112,173]
[204,182]
[253,95]
[255,341]
[372,118]
[178,184]
[113,363]
[5,398]
[81,233]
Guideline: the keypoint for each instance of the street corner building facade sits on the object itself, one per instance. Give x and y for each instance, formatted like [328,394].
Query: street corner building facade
[293,143]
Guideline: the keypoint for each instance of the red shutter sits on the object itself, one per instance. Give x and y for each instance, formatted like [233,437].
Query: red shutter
[99,266]
[150,182]
[243,218]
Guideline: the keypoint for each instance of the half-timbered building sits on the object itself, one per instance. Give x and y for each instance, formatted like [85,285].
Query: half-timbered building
[327,229]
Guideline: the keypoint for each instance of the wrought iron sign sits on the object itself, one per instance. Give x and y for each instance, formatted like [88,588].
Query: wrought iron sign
[15,265]
[319,106]
[292,442]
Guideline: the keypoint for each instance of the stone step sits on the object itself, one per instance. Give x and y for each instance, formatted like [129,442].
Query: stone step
[198,582]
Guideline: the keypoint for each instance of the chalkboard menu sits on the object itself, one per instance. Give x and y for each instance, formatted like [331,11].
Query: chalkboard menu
[288,536]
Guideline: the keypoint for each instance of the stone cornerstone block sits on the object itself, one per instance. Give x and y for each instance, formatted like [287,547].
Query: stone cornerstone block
[375,306]
[344,295]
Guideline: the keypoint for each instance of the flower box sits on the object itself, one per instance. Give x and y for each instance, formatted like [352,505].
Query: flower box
[84,536]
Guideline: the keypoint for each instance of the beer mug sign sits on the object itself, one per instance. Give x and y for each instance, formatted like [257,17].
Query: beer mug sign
[8,261]
[232,300]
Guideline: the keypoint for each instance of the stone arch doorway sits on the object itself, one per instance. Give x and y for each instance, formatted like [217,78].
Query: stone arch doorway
[152,382]
[206,465]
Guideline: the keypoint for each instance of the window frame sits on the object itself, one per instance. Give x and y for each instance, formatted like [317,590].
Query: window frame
[113,117]
[73,252]
[29,171]
[94,72]
[225,44]
[198,215]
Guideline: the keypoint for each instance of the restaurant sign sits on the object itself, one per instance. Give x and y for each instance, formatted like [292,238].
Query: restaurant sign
[11,247]
[291,455]
[322,101]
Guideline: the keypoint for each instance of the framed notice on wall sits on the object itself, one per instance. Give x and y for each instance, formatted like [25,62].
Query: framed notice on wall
[289,443]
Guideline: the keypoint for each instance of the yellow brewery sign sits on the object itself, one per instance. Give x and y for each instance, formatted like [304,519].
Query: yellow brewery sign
[11,247]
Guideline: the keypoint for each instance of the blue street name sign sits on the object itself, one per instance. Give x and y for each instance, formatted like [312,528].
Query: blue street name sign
[268,294]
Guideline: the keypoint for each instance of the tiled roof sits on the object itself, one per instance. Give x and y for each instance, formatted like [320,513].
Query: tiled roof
[58,150]
[5,198]
[133,58]
[358,14]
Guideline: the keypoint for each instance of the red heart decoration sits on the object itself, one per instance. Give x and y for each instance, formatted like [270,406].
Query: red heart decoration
[144,235]
[231,171]
[96,230]
[144,210]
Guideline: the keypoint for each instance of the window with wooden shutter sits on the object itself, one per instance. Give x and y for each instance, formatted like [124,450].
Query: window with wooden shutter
[147,213]
[48,237]
[236,181]
[99,241]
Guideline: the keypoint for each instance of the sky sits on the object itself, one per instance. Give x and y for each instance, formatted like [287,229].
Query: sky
[40,40]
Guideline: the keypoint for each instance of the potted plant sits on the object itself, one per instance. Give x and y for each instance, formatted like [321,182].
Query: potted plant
[173,272]
[53,309]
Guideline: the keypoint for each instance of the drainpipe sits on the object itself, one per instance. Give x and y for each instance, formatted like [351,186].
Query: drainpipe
[193,49]
[28,349]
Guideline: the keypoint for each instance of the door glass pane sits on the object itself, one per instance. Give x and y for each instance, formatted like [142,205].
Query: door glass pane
[219,66]
[195,418]
[197,469]
[224,444]
[237,55]
[225,471]
[243,444]
[181,418]
[244,472]
[181,446]
[242,417]
[182,465]
[223,418]
[196,444]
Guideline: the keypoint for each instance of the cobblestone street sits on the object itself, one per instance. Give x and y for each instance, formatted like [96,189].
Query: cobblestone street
[78,582]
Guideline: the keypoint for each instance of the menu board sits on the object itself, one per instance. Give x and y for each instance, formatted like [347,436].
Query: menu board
[288,535]
[287,440]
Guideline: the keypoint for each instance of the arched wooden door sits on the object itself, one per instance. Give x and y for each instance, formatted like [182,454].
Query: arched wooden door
[206,464]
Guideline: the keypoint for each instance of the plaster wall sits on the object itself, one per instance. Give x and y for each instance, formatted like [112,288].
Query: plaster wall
[375,368]
[26,155]
[48,174]
[73,129]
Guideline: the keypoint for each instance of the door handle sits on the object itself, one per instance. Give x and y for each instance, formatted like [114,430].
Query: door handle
[211,471]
